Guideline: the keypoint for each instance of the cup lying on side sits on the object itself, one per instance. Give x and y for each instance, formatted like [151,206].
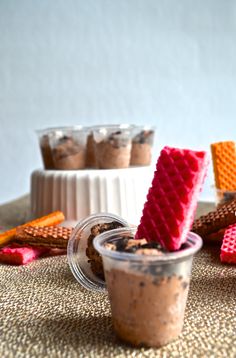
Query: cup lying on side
[84,261]
[147,292]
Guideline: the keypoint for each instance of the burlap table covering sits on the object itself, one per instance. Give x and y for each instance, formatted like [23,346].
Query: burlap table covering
[46,313]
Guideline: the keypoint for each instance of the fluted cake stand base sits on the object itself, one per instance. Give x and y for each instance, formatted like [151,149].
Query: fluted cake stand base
[79,193]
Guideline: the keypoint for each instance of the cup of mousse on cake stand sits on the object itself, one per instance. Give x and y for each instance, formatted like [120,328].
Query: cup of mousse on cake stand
[68,147]
[142,143]
[45,148]
[93,169]
[58,143]
[112,145]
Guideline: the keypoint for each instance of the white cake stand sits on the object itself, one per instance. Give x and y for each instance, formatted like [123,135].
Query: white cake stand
[79,193]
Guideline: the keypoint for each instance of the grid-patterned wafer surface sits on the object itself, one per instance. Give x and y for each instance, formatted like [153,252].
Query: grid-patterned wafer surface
[49,236]
[49,231]
[228,248]
[224,164]
[212,222]
[172,199]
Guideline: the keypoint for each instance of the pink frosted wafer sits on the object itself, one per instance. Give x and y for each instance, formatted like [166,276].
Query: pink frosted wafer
[228,248]
[172,199]
[13,255]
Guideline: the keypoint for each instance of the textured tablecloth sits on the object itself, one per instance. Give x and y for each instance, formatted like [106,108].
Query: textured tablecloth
[46,313]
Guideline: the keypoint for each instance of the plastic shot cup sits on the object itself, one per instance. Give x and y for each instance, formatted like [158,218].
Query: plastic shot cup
[142,143]
[147,293]
[79,258]
[68,147]
[113,146]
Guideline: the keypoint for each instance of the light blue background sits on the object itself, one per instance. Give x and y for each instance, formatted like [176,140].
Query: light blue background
[169,63]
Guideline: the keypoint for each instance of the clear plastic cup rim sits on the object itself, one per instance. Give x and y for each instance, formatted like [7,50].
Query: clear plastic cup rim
[145,127]
[61,129]
[76,255]
[194,242]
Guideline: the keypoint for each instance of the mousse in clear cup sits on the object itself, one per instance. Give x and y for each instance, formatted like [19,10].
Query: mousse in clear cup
[45,148]
[147,289]
[90,151]
[113,146]
[68,146]
[142,142]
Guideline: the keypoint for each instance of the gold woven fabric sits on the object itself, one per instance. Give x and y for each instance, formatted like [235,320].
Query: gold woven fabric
[46,313]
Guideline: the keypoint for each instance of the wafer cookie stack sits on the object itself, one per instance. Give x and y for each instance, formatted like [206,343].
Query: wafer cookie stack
[43,236]
[51,219]
[211,227]
[40,237]
[172,199]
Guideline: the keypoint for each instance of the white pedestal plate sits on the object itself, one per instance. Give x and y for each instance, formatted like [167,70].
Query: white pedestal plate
[79,193]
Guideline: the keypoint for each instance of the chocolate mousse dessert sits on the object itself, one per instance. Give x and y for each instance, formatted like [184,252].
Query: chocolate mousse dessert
[90,152]
[68,154]
[94,257]
[151,311]
[141,152]
[113,152]
[46,152]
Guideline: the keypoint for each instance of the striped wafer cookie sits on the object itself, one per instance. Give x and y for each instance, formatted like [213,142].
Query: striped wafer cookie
[228,248]
[172,198]
[51,219]
[215,221]
[47,236]
[224,164]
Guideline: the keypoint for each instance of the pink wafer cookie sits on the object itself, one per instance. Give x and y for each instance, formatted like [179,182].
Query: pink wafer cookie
[172,199]
[228,248]
[13,255]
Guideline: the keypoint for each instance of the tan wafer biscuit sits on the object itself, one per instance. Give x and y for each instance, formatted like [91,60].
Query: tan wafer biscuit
[216,220]
[53,218]
[47,236]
